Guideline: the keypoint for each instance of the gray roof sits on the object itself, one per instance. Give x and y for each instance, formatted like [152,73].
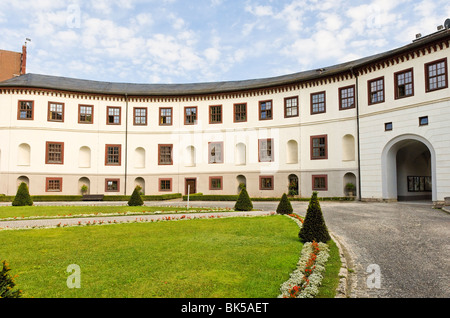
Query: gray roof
[112,88]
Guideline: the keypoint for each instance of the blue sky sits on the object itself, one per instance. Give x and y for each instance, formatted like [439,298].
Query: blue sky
[186,41]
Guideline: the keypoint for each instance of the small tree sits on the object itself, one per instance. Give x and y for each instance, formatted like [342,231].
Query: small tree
[7,283]
[136,199]
[243,202]
[22,197]
[284,207]
[314,228]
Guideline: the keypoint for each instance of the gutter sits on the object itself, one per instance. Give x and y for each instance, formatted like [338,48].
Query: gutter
[126,143]
[358,131]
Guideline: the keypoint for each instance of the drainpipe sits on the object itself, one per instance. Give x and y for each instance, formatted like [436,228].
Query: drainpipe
[358,132]
[126,143]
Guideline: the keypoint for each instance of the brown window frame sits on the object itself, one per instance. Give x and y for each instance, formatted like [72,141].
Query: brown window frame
[160,188]
[188,118]
[211,179]
[286,107]
[119,155]
[140,116]
[108,118]
[427,75]
[47,184]
[210,144]
[325,177]
[261,182]
[325,156]
[324,93]
[19,110]
[370,92]
[159,154]
[240,112]
[161,116]
[272,152]
[342,99]
[397,85]
[80,121]
[47,154]
[212,120]
[50,112]
[266,111]
[112,180]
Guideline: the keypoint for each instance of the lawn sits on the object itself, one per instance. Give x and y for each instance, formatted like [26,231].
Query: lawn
[204,258]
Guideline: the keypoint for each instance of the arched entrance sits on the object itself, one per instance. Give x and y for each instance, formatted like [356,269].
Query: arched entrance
[409,169]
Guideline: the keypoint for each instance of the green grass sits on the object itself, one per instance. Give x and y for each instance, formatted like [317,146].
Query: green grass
[330,279]
[203,258]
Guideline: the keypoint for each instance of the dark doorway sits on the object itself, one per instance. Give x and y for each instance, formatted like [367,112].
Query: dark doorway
[191,186]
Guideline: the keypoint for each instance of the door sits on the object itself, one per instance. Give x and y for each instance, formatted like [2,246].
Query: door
[191,186]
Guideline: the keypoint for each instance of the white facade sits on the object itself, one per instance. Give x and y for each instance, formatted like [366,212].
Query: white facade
[358,148]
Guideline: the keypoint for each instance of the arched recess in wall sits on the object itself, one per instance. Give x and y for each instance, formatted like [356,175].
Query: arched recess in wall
[189,157]
[24,155]
[292,152]
[84,181]
[139,158]
[241,182]
[348,148]
[141,183]
[23,179]
[84,157]
[350,178]
[240,154]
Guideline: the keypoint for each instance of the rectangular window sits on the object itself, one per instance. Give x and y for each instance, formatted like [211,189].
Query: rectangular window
[165,154]
[25,110]
[266,150]
[319,147]
[347,97]
[404,86]
[240,112]
[215,183]
[387,126]
[376,91]
[436,75]
[53,185]
[265,110]
[291,106]
[85,114]
[54,153]
[113,155]
[112,185]
[215,152]
[318,103]
[419,184]
[423,121]
[165,116]
[266,182]
[320,183]
[215,114]
[165,185]
[190,115]
[55,111]
[114,115]
[140,116]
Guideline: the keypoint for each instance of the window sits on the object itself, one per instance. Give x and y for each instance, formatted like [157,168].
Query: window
[55,111]
[190,115]
[165,154]
[165,185]
[404,86]
[265,147]
[319,147]
[291,106]
[376,91]
[266,182]
[113,155]
[112,185]
[265,110]
[419,184]
[85,114]
[25,110]
[436,75]
[240,112]
[215,152]
[387,126]
[113,115]
[140,116]
[54,153]
[165,116]
[215,183]
[215,114]
[53,185]
[423,121]
[320,183]
[347,97]
[318,103]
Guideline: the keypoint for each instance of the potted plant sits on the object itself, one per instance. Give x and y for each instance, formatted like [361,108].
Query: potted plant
[84,189]
[350,188]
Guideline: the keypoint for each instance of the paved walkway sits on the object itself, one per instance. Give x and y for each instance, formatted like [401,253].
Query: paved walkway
[407,244]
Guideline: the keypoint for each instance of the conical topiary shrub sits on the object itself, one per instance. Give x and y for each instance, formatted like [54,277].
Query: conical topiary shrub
[7,283]
[314,228]
[243,202]
[284,207]
[22,197]
[136,199]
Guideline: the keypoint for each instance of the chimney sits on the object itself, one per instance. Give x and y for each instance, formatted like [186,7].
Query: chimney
[23,66]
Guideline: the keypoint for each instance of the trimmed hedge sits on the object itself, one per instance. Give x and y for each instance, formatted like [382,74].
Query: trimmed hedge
[284,207]
[243,202]
[136,199]
[61,198]
[22,197]
[314,227]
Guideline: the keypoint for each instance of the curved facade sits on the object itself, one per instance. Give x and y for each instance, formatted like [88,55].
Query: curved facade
[380,123]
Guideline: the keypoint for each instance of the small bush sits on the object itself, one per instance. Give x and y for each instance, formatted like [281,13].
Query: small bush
[22,197]
[7,283]
[314,228]
[136,199]
[284,207]
[243,202]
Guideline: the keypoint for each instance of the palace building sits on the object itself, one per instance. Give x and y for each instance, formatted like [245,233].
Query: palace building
[380,123]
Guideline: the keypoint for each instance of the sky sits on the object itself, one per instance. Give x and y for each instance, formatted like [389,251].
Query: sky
[192,41]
